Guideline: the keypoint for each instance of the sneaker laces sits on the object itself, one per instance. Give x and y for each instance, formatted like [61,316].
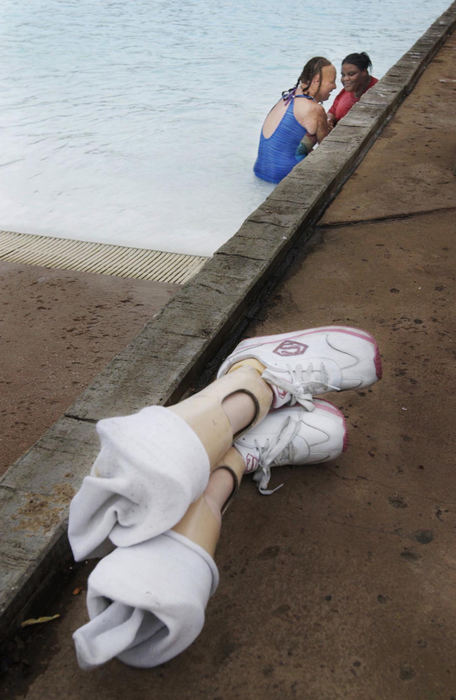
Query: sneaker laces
[304,383]
[278,449]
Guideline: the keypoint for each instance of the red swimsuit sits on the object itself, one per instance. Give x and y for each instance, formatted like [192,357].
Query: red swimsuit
[345,101]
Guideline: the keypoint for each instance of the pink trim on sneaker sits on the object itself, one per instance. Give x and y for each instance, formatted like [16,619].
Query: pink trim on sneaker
[340,329]
[328,406]
[346,440]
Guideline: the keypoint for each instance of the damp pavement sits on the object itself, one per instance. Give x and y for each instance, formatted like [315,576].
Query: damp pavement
[58,329]
[341,584]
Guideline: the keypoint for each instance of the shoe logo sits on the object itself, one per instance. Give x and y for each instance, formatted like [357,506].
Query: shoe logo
[288,348]
[251,463]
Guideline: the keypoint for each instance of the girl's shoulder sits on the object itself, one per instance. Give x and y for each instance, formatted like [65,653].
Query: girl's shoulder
[309,114]
[307,105]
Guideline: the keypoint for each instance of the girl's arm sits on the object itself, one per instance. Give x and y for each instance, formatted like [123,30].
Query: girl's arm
[323,128]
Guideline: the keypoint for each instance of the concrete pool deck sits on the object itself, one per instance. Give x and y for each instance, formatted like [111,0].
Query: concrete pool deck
[351,597]
[58,330]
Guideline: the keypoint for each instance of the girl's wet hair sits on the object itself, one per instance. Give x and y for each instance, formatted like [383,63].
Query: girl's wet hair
[360,60]
[312,68]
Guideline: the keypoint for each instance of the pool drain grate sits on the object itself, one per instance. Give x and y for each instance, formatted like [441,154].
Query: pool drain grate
[100,258]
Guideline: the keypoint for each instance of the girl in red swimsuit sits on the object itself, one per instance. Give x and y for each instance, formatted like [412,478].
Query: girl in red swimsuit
[356,81]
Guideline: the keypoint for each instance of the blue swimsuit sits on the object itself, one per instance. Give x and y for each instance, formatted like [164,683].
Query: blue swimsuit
[277,155]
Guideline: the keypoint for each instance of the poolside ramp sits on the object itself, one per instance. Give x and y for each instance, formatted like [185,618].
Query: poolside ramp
[100,258]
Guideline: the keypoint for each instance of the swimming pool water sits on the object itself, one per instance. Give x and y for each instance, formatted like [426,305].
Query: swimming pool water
[136,122]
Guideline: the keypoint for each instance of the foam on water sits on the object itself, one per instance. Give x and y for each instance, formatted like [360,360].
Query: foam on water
[137,122]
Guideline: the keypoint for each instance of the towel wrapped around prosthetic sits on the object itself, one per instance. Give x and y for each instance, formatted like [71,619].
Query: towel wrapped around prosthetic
[146,602]
[150,468]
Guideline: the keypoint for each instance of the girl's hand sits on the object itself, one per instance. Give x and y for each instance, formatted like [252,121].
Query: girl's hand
[331,121]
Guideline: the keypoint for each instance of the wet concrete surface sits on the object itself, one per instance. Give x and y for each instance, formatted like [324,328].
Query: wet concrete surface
[342,584]
[58,330]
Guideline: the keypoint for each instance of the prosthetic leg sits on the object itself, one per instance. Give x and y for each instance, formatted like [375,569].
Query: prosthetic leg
[154,464]
[202,522]
[146,599]
[147,602]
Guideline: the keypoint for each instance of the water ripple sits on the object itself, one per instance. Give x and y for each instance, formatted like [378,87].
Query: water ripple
[137,122]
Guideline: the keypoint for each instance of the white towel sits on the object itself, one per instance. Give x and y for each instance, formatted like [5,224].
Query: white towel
[146,602]
[150,468]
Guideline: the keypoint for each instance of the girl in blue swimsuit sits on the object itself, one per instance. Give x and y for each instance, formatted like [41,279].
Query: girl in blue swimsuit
[292,128]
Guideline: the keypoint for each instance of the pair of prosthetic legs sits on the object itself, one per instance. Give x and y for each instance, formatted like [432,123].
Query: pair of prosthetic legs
[164,475]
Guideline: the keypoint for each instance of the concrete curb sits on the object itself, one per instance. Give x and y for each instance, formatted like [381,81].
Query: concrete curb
[183,344]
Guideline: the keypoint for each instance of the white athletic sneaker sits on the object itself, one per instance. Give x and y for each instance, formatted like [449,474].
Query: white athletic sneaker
[305,363]
[292,435]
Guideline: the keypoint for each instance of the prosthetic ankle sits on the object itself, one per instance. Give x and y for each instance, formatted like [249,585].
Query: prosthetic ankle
[147,602]
[205,415]
[152,465]
[202,522]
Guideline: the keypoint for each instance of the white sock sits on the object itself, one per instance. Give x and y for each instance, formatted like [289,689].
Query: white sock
[150,468]
[146,602]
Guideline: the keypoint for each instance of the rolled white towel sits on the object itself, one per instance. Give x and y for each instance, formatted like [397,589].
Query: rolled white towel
[146,603]
[150,468]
